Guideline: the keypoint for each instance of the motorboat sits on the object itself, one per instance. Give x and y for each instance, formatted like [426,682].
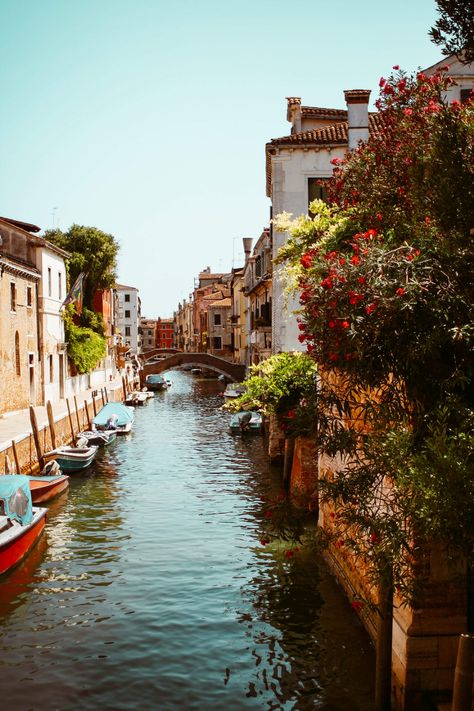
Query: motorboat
[156,382]
[246,422]
[45,488]
[233,390]
[99,438]
[72,459]
[21,523]
[137,397]
[115,416]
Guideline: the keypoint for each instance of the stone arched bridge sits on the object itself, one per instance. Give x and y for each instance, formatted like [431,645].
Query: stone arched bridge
[233,371]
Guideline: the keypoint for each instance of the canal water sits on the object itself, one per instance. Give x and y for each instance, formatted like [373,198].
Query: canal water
[154,587]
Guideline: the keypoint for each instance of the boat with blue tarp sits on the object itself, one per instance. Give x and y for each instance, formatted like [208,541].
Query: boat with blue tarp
[115,416]
[155,381]
[246,422]
[21,523]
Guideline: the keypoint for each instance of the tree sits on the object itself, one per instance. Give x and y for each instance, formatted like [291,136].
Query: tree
[386,294]
[93,252]
[454,30]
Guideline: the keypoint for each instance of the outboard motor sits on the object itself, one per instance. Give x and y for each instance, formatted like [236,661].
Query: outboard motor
[51,468]
[112,422]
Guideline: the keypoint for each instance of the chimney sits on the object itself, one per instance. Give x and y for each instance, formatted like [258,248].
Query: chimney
[293,113]
[247,242]
[357,101]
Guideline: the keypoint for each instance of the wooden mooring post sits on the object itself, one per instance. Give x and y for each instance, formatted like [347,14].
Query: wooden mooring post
[86,410]
[463,674]
[71,425]
[94,406]
[15,456]
[36,439]
[124,388]
[52,431]
[77,414]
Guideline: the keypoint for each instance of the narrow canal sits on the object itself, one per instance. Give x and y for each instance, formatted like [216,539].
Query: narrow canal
[152,590]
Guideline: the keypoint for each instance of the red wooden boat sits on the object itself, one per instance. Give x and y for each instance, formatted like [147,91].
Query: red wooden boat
[45,488]
[21,524]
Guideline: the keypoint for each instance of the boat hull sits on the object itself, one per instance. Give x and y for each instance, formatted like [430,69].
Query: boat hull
[72,461]
[16,543]
[43,489]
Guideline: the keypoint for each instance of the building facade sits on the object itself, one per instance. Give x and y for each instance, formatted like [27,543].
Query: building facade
[128,314]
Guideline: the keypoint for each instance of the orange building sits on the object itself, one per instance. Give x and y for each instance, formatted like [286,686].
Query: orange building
[164,333]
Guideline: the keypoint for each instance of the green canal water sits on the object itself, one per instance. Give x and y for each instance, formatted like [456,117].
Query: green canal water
[151,590]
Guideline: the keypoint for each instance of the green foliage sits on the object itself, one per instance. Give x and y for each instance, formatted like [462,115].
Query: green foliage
[454,29]
[386,294]
[86,348]
[93,320]
[92,251]
[277,385]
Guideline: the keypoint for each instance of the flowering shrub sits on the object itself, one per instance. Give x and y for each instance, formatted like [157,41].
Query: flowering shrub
[277,386]
[384,275]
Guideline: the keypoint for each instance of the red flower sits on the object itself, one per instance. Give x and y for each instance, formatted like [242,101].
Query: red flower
[379,216]
[400,291]
[289,554]
[374,538]
[306,260]
[357,605]
[382,82]
[355,259]
[302,338]
[345,324]
[264,542]
[361,280]
[396,67]
[291,414]
[408,112]
[301,326]
[331,324]
[370,308]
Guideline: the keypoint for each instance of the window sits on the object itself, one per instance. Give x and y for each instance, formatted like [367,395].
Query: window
[127,331]
[127,297]
[12,296]
[51,369]
[258,266]
[17,353]
[60,286]
[29,296]
[217,319]
[127,314]
[217,343]
[466,95]
[316,190]
[50,283]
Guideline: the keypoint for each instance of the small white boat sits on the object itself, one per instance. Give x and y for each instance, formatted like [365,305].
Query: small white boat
[72,459]
[234,390]
[136,398]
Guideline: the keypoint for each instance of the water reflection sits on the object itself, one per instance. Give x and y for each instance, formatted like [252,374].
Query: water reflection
[151,587]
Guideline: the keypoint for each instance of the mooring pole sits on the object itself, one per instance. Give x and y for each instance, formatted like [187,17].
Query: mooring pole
[77,414]
[34,427]
[383,662]
[86,410]
[15,454]
[71,425]
[52,431]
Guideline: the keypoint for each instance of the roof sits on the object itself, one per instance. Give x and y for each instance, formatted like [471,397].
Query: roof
[222,304]
[323,113]
[122,287]
[27,226]
[334,135]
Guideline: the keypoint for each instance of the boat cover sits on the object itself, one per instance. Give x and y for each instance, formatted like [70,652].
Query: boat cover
[15,498]
[155,378]
[123,414]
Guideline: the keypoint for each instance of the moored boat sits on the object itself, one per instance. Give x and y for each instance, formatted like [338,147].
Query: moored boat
[233,390]
[115,416]
[246,422]
[45,488]
[21,524]
[156,382]
[136,398]
[99,438]
[72,459]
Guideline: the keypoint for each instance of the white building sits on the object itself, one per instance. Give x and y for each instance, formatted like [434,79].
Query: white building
[128,314]
[295,166]
[51,294]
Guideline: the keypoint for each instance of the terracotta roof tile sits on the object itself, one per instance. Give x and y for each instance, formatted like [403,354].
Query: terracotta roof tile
[336,134]
[323,113]
[223,303]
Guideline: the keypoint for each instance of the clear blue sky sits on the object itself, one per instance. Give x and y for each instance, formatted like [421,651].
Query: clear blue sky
[148,119]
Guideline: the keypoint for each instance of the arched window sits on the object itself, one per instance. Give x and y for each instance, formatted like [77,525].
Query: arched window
[17,353]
